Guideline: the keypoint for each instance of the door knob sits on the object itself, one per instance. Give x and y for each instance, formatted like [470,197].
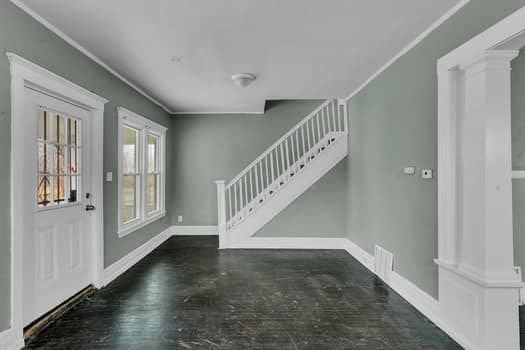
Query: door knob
[90,207]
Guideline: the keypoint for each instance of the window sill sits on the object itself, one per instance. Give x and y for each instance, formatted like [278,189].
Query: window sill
[126,230]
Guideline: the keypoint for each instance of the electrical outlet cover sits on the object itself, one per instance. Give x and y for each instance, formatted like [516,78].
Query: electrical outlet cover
[426,173]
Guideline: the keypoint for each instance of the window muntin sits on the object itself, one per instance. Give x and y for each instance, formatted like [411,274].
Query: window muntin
[58,150]
[141,171]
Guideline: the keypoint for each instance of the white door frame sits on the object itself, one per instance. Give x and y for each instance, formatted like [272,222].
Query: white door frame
[478,286]
[25,73]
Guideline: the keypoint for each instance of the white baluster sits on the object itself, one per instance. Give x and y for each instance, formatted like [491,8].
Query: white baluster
[267,184]
[308,134]
[235,196]
[297,146]
[287,155]
[230,202]
[345,115]
[221,213]
[302,138]
[337,115]
[318,128]
[251,183]
[333,120]
[257,169]
[245,192]
[323,122]
[271,166]
[282,160]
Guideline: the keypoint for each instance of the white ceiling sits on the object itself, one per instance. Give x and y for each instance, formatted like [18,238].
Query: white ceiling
[298,49]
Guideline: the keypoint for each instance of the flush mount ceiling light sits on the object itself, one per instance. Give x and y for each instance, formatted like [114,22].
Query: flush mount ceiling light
[243,79]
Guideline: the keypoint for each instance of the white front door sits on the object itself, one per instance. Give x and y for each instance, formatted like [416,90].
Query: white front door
[58,234]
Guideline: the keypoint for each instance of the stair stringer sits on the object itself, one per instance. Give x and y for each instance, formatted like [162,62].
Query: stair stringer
[240,236]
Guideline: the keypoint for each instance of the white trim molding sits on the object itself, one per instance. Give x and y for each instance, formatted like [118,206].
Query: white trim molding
[85,51]
[518,174]
[195,230]
[422,301]
[125,263]
[478,284]
[10,340]
[27,74]
[411,45]
[289,243]
[144,128]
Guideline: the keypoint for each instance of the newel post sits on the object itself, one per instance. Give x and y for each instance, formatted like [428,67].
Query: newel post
[221,212]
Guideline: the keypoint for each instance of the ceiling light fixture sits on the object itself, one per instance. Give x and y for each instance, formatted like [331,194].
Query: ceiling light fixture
[243,79]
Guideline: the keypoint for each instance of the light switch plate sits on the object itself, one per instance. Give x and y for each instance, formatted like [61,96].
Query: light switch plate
[179,219]
[409,170]
[109,176]
[426,174]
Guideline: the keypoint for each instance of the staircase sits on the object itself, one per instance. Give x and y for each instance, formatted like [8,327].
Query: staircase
[281,174]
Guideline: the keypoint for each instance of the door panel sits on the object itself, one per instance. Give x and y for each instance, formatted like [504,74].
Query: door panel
[58,230]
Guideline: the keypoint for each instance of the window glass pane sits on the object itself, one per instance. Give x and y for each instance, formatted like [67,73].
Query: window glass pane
[44,189]
[73,188]
[72,126]
[45,161]
[152,203]
[129,150]
[129,198]
[43,125]
[59,189]
[73,161]
[61,159]
[152,153]
[60,128]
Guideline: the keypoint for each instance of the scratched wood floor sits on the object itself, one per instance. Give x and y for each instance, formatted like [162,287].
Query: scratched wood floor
[188,295]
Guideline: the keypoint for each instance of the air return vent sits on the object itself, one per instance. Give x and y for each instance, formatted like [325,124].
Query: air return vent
[383,263]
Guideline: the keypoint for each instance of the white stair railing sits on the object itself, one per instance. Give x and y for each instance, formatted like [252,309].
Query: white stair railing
[271,170]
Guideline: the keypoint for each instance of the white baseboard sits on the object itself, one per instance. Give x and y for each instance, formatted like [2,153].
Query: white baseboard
[11,341]
[288,243]
[195,230]
[119,267]
[423,302]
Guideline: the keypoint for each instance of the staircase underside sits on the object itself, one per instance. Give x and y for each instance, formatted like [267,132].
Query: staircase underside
[305,172]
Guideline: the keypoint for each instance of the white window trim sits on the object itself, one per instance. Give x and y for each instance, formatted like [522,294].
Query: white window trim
[145,126]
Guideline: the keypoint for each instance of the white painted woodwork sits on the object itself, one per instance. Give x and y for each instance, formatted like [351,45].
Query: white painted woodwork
[26,74]
[57,240]
[478,284]
[292,174]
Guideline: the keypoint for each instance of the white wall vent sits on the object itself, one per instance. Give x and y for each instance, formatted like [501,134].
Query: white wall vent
[384,261]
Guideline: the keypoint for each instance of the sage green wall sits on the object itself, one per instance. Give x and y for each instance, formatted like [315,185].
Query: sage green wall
[20,34]
[393,123]
[518,157]
[217,147]
[320,211]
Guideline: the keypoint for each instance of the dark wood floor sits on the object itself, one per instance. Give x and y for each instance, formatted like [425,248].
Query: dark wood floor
[189,295]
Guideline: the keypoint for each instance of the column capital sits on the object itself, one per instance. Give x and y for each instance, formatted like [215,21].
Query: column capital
[490,59]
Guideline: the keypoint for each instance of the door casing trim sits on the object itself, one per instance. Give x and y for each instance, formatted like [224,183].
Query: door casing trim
[25,73]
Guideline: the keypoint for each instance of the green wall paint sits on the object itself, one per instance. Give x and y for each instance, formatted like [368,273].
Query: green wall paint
[217,147]
[20,34]
[393,123]
[518,156]
[320,211]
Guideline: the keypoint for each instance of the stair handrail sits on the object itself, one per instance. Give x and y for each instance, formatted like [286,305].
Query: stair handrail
[279,141]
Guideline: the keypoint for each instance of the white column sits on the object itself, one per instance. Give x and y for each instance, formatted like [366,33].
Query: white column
[485,169]
[478,286]
[221,211]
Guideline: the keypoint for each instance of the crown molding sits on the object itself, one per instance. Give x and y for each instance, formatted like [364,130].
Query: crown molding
[411,45]
[86,52]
